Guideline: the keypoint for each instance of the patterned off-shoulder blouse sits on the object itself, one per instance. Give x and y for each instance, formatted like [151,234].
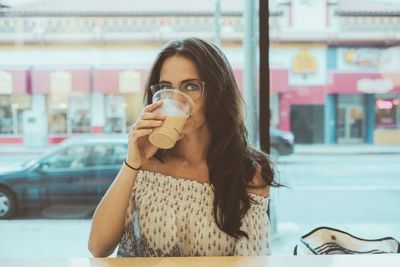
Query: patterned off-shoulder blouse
[170,216]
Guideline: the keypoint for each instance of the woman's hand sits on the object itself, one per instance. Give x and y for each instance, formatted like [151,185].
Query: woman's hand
[139,147]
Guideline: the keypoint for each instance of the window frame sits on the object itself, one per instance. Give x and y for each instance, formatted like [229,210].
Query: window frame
[264,96]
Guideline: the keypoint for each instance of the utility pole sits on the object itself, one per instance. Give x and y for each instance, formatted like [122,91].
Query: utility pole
[217,22]
[250,69]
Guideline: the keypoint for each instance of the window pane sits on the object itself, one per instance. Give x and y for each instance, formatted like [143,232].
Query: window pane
[68,158]
[105,155]
[72,77]
[335,98]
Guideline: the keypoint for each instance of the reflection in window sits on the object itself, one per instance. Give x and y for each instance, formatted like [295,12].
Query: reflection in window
[73,158]
[106,155]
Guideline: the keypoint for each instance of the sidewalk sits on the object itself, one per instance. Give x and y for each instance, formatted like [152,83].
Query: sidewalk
[20,149]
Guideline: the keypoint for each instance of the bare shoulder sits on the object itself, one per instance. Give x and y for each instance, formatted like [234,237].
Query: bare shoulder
[152,165]
[257,184]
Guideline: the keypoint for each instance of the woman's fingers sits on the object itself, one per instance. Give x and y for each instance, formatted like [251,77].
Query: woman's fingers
[153,116]
[139,133]
[152,107]
[147,124]
[149,119]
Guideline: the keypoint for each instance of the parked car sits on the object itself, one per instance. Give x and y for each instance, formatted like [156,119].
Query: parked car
[282,143]
[77,171]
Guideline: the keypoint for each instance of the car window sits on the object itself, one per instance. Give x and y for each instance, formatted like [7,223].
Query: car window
[106,155]
[72,157]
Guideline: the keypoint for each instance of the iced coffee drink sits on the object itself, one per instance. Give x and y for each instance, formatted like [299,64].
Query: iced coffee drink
[177,107]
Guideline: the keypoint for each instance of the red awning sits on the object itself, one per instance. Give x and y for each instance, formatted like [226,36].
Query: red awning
[56,79]
[16,80]
[356,83]
[119,80]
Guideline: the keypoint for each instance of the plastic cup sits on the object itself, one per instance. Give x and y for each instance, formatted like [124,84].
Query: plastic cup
[177,107]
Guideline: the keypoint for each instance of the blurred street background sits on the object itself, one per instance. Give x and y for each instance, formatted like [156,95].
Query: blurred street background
[78,69]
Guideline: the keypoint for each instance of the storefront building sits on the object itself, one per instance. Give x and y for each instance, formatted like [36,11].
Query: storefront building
[47,104]
[334,79]
[355,100]
[68,100]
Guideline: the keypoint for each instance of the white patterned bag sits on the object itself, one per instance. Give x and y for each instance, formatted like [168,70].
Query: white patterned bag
[327,241]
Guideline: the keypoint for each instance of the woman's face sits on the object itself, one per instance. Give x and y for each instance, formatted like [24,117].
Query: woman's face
[175,70]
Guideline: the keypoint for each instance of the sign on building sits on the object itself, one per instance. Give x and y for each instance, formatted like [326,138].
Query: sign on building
[60,82]
[6,83]
[129,81]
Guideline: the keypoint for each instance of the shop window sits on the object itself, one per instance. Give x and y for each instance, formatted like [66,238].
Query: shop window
[115,114]
[79,114]
[133,107]
[6,118]
[20,103]
[57,112]
[387,113]
[11,113]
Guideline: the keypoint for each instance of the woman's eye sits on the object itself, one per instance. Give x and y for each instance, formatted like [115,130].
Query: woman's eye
[191,87]
[166,86]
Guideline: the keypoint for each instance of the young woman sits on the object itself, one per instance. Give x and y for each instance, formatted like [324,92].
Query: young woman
[206,196]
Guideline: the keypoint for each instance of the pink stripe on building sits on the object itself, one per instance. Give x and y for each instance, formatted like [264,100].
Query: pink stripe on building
[20,81]
[278,80]
[106,79]
[80,79]
[352,83]
[238,73]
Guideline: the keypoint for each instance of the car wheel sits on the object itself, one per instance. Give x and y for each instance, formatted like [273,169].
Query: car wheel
[8,203]
[274,154]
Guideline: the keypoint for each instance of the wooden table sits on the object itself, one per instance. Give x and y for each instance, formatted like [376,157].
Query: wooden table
[392,260]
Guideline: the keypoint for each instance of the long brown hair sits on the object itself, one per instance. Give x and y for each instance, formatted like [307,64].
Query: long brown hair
[231,161]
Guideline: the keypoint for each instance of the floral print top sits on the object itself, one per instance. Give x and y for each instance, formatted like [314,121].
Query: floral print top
[170,216]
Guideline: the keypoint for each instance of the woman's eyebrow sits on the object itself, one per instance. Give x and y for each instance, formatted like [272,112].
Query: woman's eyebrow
[190,80]
[187,80]
[162,81]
